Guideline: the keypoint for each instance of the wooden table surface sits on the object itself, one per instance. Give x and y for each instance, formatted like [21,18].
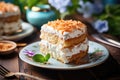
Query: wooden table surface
[109,70]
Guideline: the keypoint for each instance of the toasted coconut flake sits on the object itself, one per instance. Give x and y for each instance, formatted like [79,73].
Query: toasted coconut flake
[66,25]
[8,7]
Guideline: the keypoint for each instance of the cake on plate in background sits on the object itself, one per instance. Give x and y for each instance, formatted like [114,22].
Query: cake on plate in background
[65,40]
[10,21]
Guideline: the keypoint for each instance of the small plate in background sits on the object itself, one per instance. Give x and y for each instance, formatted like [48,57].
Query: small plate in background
[27,30]
[7,47]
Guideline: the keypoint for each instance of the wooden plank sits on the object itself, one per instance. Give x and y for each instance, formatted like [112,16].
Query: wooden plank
[29,69]
[10,62]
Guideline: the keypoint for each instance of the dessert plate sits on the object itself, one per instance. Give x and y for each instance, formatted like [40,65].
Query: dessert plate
[27,30]
[95,58]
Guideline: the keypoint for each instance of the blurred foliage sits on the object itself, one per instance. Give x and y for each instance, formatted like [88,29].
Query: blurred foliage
[28,3]
[70,9]
[112,15]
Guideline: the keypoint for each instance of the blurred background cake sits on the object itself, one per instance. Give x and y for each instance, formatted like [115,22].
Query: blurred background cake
[9,18]
[65,40]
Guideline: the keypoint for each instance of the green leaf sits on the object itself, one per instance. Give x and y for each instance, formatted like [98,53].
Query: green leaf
[64,14]
[75,2]
[39,58]
[47,57]
[103,16]
[31,3]
[107,9]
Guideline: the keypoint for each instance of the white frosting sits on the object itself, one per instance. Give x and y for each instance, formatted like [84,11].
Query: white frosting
[8,14]
[10,27]
[65,35]
[58,52]
[15,11]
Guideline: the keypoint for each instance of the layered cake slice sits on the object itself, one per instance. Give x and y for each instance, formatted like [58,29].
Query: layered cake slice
[65,40]
[10,21]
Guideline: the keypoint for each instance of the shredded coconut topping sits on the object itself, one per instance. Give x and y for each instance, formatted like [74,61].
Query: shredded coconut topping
[66,25]
[8,7]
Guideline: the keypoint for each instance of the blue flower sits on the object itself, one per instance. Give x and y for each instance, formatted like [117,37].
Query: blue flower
[86,8]
[29,53]
[60,5]
[101,26]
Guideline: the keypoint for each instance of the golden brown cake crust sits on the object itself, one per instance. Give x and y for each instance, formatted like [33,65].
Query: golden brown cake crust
[13,18]
[54,39]
[80,58]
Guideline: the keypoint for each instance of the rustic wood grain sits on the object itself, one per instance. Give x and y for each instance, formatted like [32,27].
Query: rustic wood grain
[109,70]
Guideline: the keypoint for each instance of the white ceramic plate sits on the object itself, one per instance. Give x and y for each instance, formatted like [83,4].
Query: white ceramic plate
[95,59]
[27,30]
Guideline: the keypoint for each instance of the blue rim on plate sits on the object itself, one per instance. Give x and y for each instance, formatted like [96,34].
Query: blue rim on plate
[54,64]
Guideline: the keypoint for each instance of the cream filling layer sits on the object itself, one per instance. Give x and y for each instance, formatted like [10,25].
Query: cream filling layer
[58,52]
[9,14]
[11,27]
[64,35]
